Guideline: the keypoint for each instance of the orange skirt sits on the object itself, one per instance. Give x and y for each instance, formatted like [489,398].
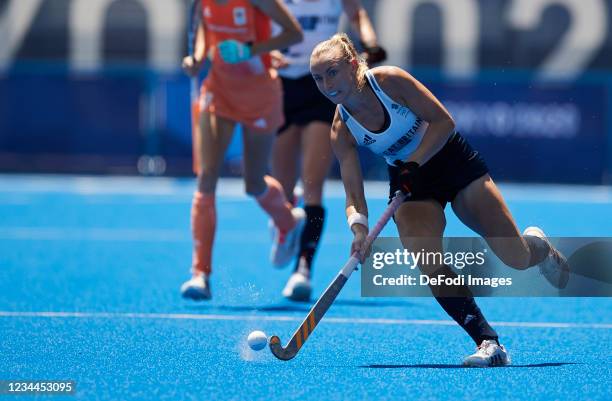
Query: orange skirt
[255,101]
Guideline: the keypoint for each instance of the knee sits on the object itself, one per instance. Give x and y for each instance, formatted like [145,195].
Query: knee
[427,251]
[429,269]
[432,264]
[207,180]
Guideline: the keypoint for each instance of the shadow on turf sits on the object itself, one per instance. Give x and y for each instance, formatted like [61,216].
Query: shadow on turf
[444,366]
[299,306]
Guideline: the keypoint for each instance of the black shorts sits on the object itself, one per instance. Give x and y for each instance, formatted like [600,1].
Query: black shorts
[303,103]
[450,170]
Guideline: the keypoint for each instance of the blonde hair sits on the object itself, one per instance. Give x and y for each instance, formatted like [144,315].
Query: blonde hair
[348,53]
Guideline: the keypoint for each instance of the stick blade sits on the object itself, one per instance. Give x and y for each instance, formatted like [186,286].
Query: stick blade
[281,353]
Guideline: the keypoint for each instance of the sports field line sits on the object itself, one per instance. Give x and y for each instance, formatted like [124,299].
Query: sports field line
[334,320]
[134,235]
[233,188]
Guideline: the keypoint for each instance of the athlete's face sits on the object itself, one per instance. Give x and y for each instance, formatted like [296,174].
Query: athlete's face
[334,76]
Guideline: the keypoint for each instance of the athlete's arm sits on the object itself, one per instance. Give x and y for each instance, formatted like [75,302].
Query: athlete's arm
[345,149]
[193,64]
[406,89]
[290,34]
[360,22]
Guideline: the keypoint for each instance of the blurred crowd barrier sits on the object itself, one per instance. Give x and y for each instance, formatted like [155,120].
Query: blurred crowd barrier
[94,86]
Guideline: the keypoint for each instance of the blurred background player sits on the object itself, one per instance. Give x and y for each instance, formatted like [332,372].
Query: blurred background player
[434,164]
[241,87]
[304,138]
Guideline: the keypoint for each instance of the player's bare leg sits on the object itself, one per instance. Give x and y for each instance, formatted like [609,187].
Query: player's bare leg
[317,159]
[481,207]
[421,227]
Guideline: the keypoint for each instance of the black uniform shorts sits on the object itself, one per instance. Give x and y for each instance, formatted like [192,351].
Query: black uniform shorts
[303,103]
[450,170]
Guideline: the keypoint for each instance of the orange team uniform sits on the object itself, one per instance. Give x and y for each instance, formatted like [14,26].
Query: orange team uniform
[249,92]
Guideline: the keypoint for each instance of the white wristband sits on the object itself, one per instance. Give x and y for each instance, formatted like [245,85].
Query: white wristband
[357,218]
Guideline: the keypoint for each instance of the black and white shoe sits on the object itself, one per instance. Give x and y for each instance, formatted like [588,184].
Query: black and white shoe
[555,267]
[489,353]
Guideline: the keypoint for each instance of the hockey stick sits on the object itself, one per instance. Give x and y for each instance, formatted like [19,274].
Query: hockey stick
[194,22]
[325,301]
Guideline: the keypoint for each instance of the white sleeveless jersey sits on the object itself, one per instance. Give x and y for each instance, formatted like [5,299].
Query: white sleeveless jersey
[319,20]
[401,136]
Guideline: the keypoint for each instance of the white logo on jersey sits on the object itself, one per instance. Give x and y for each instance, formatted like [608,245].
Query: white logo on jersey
[240,16]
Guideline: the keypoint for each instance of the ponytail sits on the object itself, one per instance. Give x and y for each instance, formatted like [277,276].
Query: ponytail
[348,53]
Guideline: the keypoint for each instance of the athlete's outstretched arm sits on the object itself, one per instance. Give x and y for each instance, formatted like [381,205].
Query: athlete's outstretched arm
[291,31]
[345,148]
[403,87]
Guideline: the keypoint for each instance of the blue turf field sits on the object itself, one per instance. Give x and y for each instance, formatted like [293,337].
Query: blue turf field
[89,276]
